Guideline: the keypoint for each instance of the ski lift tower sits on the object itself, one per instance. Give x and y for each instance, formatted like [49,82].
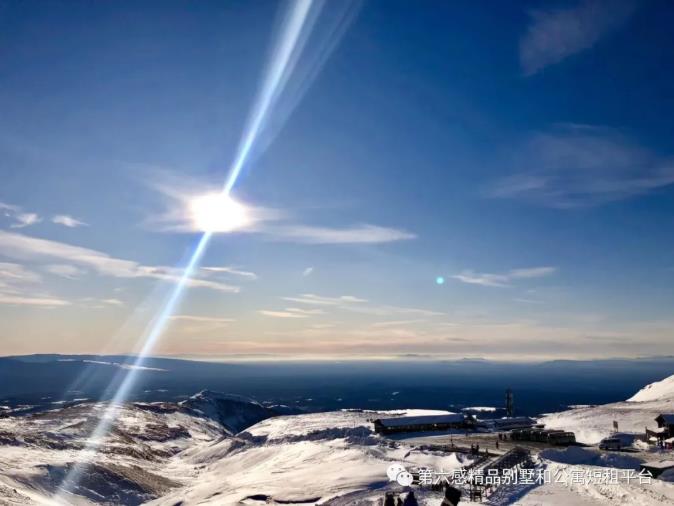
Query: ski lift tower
[509,403]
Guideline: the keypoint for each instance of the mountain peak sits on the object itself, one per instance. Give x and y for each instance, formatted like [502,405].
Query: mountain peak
[658,390]
[234,412]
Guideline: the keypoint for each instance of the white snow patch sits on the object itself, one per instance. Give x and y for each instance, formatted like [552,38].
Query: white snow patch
[480,409]
[659,390]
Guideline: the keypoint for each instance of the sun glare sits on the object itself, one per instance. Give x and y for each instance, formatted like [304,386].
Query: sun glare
[218,212]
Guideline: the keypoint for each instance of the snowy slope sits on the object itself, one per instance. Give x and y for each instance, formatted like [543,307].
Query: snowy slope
[656,493]
[233,412]
[221,449]
[37,450]
[326,458]
[592,424]
[194,452]
[660,390]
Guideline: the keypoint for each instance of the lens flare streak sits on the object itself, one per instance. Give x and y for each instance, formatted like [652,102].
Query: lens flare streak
[293,36]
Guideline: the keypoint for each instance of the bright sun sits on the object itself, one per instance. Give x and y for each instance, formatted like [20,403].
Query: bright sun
[217,212]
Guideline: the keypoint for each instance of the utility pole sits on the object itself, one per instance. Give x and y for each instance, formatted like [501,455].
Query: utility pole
[509,403]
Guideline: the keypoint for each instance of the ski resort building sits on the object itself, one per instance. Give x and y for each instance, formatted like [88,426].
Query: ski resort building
[666,421]
[665,430]
[424,423]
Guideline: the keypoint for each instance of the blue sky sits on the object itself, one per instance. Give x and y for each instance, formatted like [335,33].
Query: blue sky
[522,152]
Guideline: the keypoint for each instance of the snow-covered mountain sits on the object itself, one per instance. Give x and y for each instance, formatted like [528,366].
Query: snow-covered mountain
[37,450]
[658,391]
[593,423]
[220,449]
[209,449]
[233,412]
[328,458]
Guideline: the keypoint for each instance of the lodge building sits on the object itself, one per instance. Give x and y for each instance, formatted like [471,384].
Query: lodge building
[664,434]
[424,423]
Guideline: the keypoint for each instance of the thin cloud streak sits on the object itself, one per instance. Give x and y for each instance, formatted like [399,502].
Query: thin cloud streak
[65,271]
[231,270]
[22,300]
[576,166]
[504,279]
[21,219]
[25,220]
[359,234]
[282,314]
[319,300]
[68,221]
[358,305]
[18,288]
[18,246]
[554,34]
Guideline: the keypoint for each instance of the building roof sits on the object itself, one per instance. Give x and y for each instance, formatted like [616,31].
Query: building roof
[404,421]
[659,464]
[667,417]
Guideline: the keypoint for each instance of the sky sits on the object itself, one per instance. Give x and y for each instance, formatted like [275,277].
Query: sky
[434,179]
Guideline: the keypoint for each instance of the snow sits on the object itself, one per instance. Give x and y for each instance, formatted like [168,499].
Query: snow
[480,409]
[593,424]
[221,449]
[591,457]
[307,457]
[659,390]
[594,493]
[233,412]
[37,450]
[660,464]
[421,420]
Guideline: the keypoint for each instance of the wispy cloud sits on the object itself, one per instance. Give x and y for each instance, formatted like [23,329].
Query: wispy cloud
[18,246]
[25,220]
[196,323]
[65,270]
[67,221]
[527,301]
[554,34]
[307,312]
[575,166]
[112,302]
[503,279]
[388,310]
[359,305]
[320,300]
[395,323]
[22,300]
[292,312]
[282,314]
[11,273]
[307,272]
[201,319]
[19,287]
[231,270]
[179,193]
[358,234]
[20,218]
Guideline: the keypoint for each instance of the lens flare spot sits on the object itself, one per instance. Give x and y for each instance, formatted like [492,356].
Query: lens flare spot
[218,212]
[440,280]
